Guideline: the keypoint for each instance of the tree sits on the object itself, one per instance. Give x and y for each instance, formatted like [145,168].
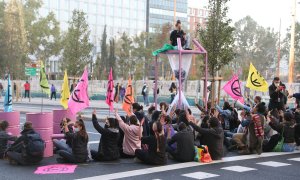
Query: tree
[112,56]
[253,43]
[287,44]
[102,68]
[217,38]
[125,62]
[14,47]
[76,45]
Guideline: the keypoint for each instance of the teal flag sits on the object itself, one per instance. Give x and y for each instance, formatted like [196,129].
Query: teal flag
[165,48]
[8,97]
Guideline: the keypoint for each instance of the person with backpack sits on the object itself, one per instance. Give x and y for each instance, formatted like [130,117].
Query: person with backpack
[80,140]
[108,147]
[145,93]
[28,149]
[4,138]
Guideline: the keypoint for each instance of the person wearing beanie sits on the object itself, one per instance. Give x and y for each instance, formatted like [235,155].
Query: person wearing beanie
[213,137]
[179,33]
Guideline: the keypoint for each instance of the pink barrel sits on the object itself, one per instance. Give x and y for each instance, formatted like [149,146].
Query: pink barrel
[43,124]
[58,115]
[13,119]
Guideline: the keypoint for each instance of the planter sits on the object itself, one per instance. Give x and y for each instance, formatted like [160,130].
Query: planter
[13,119]
[58,116]
[43,124]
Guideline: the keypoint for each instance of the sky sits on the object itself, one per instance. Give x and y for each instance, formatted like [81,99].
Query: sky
[266,12]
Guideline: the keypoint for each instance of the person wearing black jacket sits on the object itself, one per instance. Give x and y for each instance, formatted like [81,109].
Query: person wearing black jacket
[277,94]
[212,137]
[17,153]
[108,147]
[4,138]
[79,144]
[156,153]
[184,139]
[64,144]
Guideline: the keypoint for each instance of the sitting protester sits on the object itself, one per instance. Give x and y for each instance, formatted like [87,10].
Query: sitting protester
[28,149]
[156,153]
[64,144]
[79,140]
[132,136]
[213,137]
[4,138]
[138,111]
[108,146]
[255,132]
[287,129]
[184,139]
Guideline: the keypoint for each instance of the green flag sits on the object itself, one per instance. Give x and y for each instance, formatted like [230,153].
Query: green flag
[43,80]
[166,47]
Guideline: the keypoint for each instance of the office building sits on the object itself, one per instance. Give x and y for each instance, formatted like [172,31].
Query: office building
[197,17]
[162,11]
[119,16]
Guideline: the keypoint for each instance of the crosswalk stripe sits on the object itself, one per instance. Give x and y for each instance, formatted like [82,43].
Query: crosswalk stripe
[273,164]
[238,168]
[200,175]
[294,159]
[144,171]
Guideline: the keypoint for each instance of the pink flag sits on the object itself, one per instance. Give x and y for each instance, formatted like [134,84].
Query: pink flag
[110,91]
[79,99]
[233,89]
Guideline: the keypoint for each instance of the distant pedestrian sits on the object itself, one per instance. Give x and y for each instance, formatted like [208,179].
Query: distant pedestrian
[122,93]
[155,93]
[117,93]
[15,89]
[27,89]
[53,91]
[73,86]
[1,90]
[173,91]
[145,93]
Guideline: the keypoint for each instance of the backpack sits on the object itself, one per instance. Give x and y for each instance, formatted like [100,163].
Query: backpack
[234,120]
[34,145]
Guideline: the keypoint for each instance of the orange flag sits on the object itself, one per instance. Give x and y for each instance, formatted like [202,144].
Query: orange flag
[128,99]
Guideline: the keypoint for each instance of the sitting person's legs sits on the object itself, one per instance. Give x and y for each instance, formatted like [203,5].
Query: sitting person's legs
[67,156]
[61,145]
[17,157]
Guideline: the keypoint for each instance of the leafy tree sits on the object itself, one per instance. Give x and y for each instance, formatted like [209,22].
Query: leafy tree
[253,43]
[217,38]
[125,62]
[112,56]
[287,44]
[14,47]
[102,68]
[76,45]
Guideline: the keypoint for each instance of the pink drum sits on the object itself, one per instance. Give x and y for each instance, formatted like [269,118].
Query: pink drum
[43,124]
[58,115]
[13,119]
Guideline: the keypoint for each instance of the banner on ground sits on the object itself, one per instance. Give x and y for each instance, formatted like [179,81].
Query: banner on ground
[233,89]
[8,97]
[43,80]
[129,98]
[65,92]
[255,80]
[110,91]
[79,99]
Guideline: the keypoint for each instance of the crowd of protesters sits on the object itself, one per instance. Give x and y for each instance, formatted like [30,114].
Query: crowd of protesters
[164,133]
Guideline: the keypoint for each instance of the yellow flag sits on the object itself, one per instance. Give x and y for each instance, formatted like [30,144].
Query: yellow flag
[256,81]
[65,92]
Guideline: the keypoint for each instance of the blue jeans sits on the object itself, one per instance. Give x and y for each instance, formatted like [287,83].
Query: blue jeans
[146,100]
[288,147]
[62,145]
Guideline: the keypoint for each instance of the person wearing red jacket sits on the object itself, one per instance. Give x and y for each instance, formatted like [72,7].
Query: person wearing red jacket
[27,89]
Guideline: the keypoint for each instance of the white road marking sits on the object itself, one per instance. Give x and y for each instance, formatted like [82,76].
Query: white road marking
[200,175]
[273,164]
[93,133]
[93,142]
[294,159]
[238,168]
[181,166]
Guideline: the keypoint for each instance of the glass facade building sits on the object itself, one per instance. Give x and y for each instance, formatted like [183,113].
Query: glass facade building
[162,12]
[119,16]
